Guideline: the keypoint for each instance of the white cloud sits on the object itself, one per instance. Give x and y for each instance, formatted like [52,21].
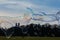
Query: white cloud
[18,3]
[21,5]
[2,0]
[4,13]
[10,8]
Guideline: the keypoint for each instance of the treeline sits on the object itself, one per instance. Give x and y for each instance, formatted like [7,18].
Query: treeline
[45,30]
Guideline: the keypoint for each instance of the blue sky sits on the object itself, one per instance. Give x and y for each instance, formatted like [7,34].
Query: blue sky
[18,7]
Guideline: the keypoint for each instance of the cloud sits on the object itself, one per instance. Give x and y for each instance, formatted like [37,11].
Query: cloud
[2,0]
[19,7]
[15,8]
[4,13]
[15,5]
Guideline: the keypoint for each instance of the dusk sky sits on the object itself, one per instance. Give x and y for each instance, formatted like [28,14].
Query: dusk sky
[18,7]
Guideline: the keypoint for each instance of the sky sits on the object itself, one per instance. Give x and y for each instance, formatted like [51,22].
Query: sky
[19,7]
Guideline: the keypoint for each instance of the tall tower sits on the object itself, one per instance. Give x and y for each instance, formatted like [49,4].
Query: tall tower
[18,24]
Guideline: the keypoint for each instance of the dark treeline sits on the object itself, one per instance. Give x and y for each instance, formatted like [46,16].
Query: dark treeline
[45,30]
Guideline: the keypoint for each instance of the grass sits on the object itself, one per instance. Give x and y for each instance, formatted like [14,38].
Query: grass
[30,38]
